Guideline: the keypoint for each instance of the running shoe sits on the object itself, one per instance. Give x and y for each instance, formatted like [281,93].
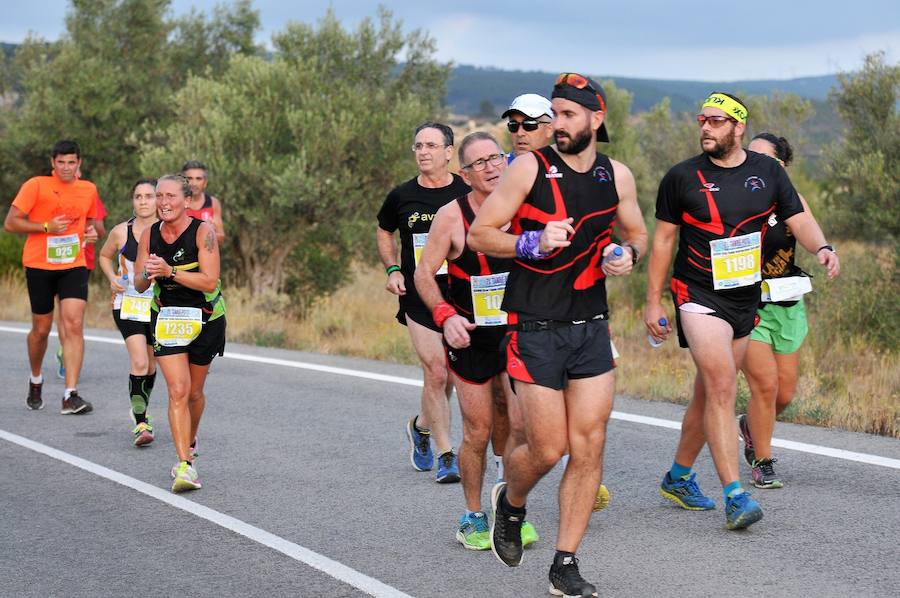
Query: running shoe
[741,511]
[448,469]
[601,501]
[194,448]
[474,532]
[34,400]
[186,478]
[764,474]
[506,530]
[685,493]
[75,405]
[529,534]
[143,433]
[749,451]
[60,365]
[566,580]
[419,447]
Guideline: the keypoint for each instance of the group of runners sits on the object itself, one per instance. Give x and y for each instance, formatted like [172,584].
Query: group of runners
[501,280]
[162,265]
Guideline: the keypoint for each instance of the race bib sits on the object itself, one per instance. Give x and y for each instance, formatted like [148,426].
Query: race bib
[419,240]
[735,261]
[62,249]
[789,288]
[136,306]
[178,326]
[487,297]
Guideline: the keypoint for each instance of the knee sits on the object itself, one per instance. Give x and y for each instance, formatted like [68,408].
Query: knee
[547,456]
[435,372]
[40,328]
[178,393]
[196,395]
[141,365]
[73,323]
[477,434]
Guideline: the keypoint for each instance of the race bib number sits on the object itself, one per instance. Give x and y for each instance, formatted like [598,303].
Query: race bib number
[789,288]
[735,261]
[62,249]
[487,297]
[178,326]
[419,240]
[136,306]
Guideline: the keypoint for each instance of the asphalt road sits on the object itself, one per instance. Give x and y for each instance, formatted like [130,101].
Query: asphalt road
[308,491]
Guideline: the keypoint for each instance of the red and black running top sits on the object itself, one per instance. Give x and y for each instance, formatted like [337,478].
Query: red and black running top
[711,202]
[568,284]
[468,264]
[204,212]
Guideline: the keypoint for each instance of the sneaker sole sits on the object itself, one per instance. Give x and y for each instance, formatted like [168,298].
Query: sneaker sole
[745,520]
[143,440]
[462,540]
[80,410]
[495,496]
[556,592]
[38,408]
[675,499]
[773,485]
[181,485]
[412,450]
[450,478]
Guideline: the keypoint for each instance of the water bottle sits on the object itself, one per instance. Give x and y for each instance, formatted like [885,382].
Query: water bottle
[612,255]
[653,342]
[124,280]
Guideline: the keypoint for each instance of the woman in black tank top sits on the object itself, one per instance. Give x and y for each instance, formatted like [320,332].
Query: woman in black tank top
[179,256]
[116,260]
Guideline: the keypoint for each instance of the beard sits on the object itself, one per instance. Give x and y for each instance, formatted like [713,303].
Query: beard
[721,148]
[569,145]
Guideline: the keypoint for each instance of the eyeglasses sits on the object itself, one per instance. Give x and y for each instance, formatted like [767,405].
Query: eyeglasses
[714,121]
[528,125]
[430,146]
[579,82]
[481,163]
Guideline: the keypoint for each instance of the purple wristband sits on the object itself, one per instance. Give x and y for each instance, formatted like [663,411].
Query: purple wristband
[528,245]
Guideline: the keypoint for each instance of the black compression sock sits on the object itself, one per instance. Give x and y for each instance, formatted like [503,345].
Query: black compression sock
[509,508]
[561,554]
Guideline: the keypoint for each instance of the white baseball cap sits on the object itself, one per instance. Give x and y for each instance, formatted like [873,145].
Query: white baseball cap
[531,105]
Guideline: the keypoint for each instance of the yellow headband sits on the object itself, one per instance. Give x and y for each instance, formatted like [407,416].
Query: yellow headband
[730,106]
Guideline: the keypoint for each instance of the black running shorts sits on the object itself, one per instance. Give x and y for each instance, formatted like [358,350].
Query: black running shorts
[45,285]
[553,357]
[740,314]
[130,327]
[203,349]
[482,359]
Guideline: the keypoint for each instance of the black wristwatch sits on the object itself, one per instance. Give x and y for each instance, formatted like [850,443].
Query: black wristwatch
[828,247]
[635,254]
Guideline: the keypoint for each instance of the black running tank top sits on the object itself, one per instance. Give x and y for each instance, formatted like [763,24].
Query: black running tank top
[468,264]
[129,249]
[779,248]
[183,254]
[569,284]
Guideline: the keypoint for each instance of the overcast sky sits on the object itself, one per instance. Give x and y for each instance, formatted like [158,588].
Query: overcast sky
[661,39]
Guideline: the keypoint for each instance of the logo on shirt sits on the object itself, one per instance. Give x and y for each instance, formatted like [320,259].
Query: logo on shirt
[754,183]
[415,217]
[553,173]
[773,219]
[709,187]
[601,175]
[179,256]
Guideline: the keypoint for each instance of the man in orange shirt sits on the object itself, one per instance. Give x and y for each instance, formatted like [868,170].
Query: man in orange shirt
[55,211]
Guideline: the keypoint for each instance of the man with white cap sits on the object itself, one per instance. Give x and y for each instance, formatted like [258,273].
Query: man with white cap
[530,117]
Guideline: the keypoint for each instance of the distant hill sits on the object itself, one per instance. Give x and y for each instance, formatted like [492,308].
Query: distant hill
[470,88]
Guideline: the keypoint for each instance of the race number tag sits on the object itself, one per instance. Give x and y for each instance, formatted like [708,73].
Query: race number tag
[62,249]
[735,261]
[178,326]
[136,306]
[419,240]
[487,297]
[789,288]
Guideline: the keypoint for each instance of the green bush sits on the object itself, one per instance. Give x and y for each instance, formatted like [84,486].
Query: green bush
[10,252]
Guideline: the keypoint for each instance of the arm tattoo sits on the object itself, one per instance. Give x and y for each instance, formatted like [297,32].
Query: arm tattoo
[210,241]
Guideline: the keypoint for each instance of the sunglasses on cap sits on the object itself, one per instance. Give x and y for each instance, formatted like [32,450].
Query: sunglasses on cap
[528,125]
[579,82]
[714,121]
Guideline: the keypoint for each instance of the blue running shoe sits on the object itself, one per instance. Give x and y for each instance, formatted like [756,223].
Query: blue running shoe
[685,493]
[448,469]
[474,532]
[741,511]
[419,447]
[60,365]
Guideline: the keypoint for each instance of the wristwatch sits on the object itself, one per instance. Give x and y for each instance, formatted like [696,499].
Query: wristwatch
[635,254]
[828,247]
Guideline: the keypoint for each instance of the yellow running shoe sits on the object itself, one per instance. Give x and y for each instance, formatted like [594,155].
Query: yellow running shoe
[601,501]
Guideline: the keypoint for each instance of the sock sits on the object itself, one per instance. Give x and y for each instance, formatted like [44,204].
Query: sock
[69,392]
[38,380]
[421,430]
[139,388]
[679,472]
[470,513]
[151,380]
[561,555]
[504,504]
[732,489]
[498,461]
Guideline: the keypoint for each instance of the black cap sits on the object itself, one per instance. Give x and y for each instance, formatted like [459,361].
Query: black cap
[584,91]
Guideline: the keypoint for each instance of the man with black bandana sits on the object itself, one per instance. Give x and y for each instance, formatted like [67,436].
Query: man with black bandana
[719,202]
[563,202]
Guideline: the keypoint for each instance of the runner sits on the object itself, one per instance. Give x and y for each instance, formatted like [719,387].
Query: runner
[530,123]
[56,212]
[473,326]
[131,310]
[720,202]
[179,256]
[773,355]
[563,202]
[202,205]
[410,207]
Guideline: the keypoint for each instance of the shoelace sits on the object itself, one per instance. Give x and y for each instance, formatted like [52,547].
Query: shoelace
[478,524]
[447,459]
[422,444]
[691,485]
[569,571]
[765,466]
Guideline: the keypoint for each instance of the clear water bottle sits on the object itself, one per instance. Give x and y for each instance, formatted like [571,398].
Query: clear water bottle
[653,342]
[124,280]
[612,255]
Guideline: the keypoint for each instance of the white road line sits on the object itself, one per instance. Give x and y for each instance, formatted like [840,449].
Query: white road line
[341,572]
[802,447]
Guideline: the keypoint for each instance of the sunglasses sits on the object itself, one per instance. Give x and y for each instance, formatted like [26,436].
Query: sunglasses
[714,121]
[528,125]
[579,82]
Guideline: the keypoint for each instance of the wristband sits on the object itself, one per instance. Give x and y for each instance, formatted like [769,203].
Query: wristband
[441,312]
[828,247]
[391,269]
[172,276]
[46,227]
[528,245]
[635,254]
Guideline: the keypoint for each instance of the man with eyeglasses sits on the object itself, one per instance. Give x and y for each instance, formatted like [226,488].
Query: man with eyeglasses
[473,326]
[410,208]
[530,123]
[563,202]
[717,205]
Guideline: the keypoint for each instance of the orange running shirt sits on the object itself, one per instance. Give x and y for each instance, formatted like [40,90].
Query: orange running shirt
[43,198]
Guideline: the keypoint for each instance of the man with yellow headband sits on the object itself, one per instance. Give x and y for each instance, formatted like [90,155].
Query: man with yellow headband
[717,206]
